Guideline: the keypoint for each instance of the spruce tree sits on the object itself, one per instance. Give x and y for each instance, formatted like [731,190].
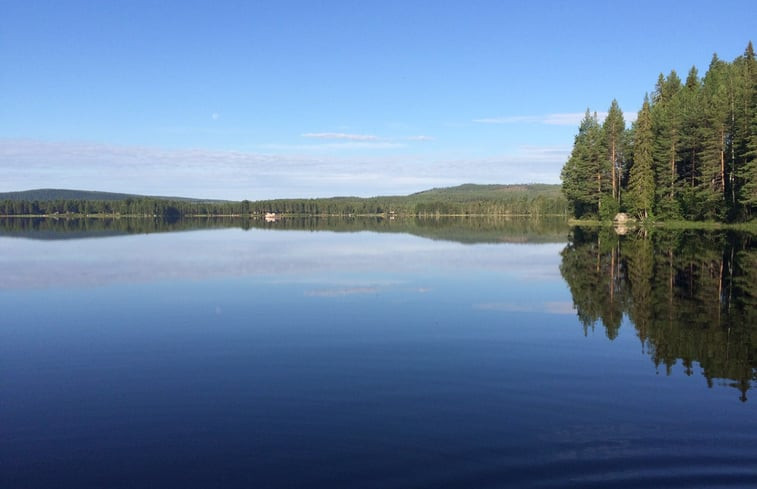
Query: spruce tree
[641,185]
[748,190]
[714,135]
[745,131]
[666,126]
[693,150]
[691,109]
[582,175]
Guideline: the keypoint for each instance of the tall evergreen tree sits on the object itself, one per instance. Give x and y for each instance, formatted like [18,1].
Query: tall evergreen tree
[641,185]
[745,130]
[690,142]
[748,191]
[613,131]
[582,175]
[714,134]
[666,126]
[694,149]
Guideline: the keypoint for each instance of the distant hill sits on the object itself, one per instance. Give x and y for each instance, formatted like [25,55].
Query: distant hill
[471,191]
[50,194]
[468,199]
[461,193]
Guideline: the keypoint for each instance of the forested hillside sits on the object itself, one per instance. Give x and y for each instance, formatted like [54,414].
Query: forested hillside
[691,153]
[52,194]
[535,199]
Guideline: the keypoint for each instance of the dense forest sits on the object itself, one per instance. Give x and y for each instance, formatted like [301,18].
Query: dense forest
[533,199]
[691,296]
[691,153]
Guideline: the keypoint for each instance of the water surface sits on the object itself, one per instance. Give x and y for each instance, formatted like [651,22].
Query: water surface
[259,357]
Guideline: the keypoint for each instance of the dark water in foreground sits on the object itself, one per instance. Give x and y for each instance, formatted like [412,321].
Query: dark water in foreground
[486,355]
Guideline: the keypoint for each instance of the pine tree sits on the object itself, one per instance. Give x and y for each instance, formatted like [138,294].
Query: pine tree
[582,175]
[690,142]
[666,126]
[714,135]
[693,150]
[748,191]
[641,185]
[613,131]
[745,130]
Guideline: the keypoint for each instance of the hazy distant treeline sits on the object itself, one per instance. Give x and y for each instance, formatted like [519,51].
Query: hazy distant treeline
[463,200]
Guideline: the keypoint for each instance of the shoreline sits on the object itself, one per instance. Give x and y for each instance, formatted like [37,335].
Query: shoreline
[750,226]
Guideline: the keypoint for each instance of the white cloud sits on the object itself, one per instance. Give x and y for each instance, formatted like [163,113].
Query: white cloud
[363,137]
[556,119]
[348,145]
[320,264]
[507,120]
[340,135]
[341,292]
[302,172]
[569,119]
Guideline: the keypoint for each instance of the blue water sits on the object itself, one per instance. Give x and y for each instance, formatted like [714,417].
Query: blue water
[232,358]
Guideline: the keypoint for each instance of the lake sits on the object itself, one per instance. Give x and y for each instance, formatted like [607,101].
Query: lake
[375,353]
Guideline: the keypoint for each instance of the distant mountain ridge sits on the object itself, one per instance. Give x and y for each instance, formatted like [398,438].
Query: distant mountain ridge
[468,191]
[49,194]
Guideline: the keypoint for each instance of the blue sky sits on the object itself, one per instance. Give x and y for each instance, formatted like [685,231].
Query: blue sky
[257,100]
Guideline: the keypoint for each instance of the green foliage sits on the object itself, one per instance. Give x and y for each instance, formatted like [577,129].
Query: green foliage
[695,147]
[613,134]
[532,199]
[608,207]
[691,296]
[746,130]
[641,183]
[50,194]
[666,117]
[584,176]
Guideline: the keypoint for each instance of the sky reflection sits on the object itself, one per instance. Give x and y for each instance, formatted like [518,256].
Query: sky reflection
[354,263]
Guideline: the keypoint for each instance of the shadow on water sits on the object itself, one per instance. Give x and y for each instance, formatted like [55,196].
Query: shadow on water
[467,230]
[691,295]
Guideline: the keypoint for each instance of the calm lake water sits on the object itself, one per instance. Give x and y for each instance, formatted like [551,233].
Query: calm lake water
[375,354]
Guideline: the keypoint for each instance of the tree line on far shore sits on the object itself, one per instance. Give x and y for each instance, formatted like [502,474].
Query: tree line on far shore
[535,199]
[691,153]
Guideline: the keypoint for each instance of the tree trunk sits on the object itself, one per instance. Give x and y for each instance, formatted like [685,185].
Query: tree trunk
[614,178]
[722,162]
[599,191]
[672,171]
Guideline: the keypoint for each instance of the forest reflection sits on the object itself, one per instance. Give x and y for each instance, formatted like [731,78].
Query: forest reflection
[468,230]
[691,295]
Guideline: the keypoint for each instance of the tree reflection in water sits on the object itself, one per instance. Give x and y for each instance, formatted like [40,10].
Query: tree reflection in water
[691,295]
